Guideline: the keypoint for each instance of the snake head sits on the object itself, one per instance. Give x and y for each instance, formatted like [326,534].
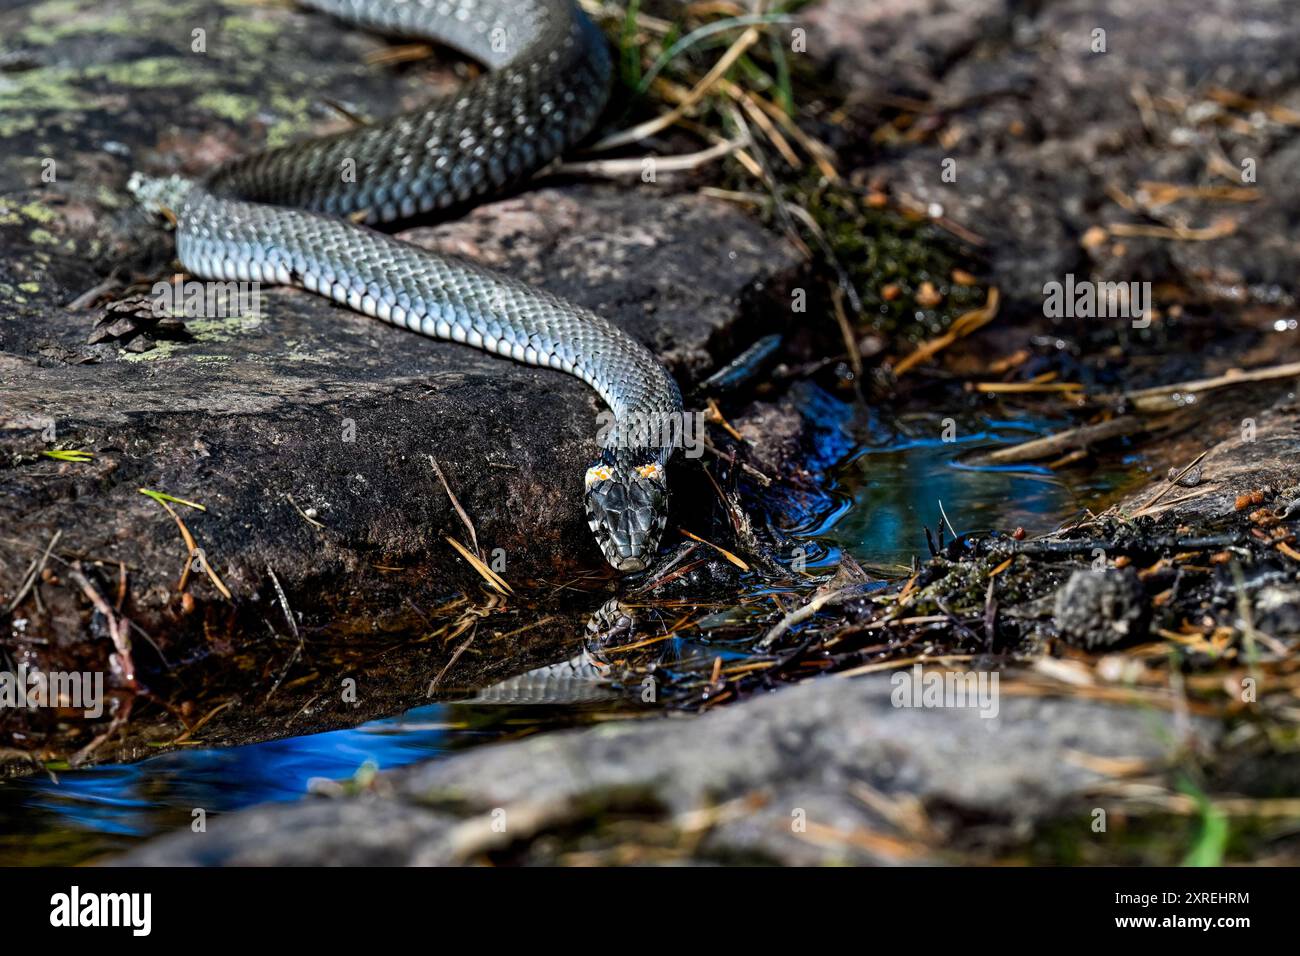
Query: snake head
[157,194]
[627,508]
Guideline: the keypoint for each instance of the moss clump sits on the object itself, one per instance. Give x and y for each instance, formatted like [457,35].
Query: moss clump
[891,258]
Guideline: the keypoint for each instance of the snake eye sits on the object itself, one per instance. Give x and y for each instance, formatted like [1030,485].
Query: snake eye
[597,473]
[654,471]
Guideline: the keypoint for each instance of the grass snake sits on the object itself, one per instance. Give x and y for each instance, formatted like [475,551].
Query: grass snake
[292,216]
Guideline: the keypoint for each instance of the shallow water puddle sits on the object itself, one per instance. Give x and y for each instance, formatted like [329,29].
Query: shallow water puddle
[79,815]
[889,494]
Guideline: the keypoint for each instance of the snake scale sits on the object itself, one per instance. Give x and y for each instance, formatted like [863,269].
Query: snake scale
[277,216]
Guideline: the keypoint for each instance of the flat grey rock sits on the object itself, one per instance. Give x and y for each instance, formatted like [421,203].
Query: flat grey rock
[798,776]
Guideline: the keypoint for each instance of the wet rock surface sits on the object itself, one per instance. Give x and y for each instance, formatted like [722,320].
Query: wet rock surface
[831,771]
[1250,455]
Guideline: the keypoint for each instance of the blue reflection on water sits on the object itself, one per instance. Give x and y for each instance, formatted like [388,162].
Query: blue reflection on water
[125,799]
[891,491]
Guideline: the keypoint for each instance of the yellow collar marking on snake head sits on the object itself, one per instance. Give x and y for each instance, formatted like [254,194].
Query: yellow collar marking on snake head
[598,473]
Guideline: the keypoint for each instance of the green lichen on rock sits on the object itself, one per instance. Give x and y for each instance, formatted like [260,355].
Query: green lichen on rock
[38,212]
[294,121]
[231,106]
[56,21]
[252,35]
[50,88]
[151,72]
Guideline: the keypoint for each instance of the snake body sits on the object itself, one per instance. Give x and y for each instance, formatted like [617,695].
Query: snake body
[274,217]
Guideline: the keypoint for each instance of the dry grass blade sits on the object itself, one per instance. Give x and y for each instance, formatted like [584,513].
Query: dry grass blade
[491,577]
[807,611]
[1266,808]
[455,503]
[962,326]
[635,166]
[722,551]
[33,572]
[305,517]
[93,294]
[1001,567]
[846,332]
[1235,100]
[284,603]
[356,119]
[698,92]
[1164,398]
[943,660]
[1173,483]
[1162,194]
[116,625]
[192,549]
[450,664]
[199,724]
[1026,388]
[821,153]
[764,123]
[873,841]
[1216,230]
[715,415]
[403,53]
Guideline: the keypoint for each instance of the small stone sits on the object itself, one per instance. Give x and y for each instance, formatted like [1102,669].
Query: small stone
[1189,480]
[1277,609]
[870,346]
[1101,608]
